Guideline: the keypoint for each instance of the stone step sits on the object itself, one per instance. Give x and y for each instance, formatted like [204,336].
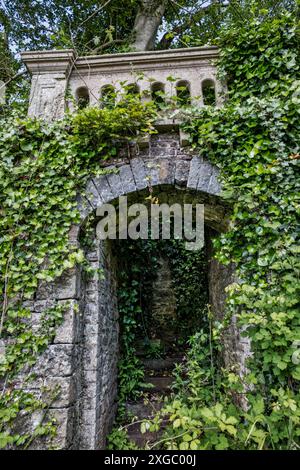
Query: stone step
[143,410]
[135,435]
[158,375]
[160,384]
[162,364]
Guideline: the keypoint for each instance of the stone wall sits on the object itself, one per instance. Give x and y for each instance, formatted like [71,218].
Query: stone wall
[100,348]
[82,360]
[236,348]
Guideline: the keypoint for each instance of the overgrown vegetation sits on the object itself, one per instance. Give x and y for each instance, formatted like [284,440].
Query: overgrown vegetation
[135,297]
[254,139]
[42,168]
[138,262]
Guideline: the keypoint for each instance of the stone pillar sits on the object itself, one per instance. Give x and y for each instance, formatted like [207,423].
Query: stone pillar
[50,72]
[236,348]
[97,401]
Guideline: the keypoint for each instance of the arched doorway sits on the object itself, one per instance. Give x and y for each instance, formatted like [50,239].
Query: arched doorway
[83,357]
[100,313]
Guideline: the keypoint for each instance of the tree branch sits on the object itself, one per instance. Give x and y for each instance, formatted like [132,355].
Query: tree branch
[17,75]
[94,13]
[110,43]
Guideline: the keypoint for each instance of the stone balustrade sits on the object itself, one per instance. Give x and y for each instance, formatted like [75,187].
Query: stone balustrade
[187,73]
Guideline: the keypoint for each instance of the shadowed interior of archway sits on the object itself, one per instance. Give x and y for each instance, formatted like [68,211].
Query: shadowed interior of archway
[162,292]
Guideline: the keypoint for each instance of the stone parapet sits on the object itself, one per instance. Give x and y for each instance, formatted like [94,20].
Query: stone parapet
[89,77]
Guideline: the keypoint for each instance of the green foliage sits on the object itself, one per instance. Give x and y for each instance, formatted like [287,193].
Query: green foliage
[118,440]
[42,168]
[197,428]
[200,414]
[27,343]
[189,279]
[88,25]
[135,300]
[83,25]
[132,279]
[95,27]
[17,405]
[154,349]
[254,139]
[130,370]
[195,378]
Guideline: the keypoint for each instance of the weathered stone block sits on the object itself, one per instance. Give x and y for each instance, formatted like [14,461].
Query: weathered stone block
[91,354]
[182,172]
[45,290]
[67,286]
[103,188]
[93,195]
[57,360]
[194,172]
[88,441]
[152,171]
[204,175]
[115,184]
[214,186]
[65,427]
[184,138]
[65,388]
[69,330]
[166,171]
[127,179]
[139,173]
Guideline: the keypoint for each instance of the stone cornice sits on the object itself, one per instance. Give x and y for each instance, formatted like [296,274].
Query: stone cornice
[39,62]
[148,59]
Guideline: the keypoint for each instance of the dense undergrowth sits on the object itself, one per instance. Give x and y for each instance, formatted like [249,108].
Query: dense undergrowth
[139,330]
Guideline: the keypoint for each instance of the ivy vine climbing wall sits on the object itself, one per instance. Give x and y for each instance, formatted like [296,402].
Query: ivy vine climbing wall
[42,169]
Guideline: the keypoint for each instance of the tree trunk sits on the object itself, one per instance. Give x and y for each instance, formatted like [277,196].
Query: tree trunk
[147,22]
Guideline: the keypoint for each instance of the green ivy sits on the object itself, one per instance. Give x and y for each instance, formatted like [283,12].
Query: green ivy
[255,142]
[254,139]
[42,168]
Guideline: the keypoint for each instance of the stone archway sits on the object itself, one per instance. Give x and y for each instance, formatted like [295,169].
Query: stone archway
[83,357]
